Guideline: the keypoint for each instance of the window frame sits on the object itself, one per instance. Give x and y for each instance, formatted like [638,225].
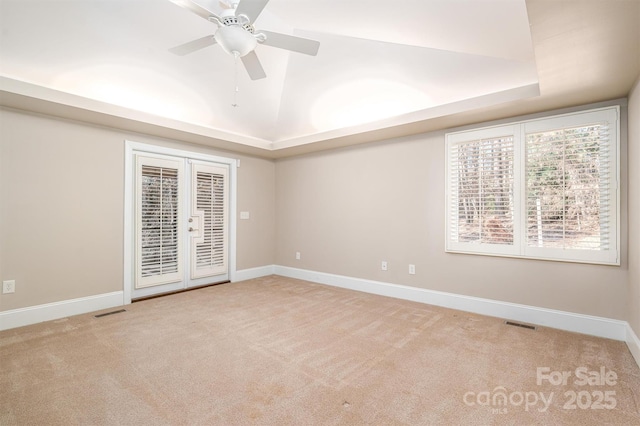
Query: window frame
[519,131]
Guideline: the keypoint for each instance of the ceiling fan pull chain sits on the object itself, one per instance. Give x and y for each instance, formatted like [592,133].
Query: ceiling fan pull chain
[235,83]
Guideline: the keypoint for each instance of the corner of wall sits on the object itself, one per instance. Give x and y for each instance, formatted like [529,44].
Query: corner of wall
[633,158]
[633,343]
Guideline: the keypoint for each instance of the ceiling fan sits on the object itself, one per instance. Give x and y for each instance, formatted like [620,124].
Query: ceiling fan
[237,36]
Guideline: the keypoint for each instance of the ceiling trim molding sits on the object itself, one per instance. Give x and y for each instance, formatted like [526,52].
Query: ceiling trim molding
[492,99]
[30,97]
[34,98]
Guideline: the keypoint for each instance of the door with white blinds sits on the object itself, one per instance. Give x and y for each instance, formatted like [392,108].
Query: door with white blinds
[181,223]
[208,230]
[158,217]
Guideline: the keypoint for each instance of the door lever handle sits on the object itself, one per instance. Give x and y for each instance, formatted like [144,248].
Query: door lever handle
[190,229]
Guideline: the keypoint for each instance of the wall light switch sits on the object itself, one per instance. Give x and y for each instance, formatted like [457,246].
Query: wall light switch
[244,215]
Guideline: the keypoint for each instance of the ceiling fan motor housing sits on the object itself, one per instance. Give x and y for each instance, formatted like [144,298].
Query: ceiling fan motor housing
[235,33]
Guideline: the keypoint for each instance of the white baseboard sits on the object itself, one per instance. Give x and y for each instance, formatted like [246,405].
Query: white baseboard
[595,326]
[248,274]
[633,343]
[56,310]
[66,308]
[579,323]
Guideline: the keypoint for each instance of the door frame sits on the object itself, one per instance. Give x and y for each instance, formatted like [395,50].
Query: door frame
[132,147]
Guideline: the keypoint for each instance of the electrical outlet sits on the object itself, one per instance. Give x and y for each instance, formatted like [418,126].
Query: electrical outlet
[297,255]
[8,286]
[412,269]
[384,266]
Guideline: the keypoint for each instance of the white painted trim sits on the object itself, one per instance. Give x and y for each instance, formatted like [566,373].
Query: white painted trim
[248,274]
[633,343]
[129,240]
[174,152]
[65,308]
[233,214]
[578,323]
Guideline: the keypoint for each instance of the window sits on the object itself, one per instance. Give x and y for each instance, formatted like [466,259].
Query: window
[543,189]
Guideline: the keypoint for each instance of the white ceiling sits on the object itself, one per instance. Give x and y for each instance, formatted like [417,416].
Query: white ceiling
[382,65]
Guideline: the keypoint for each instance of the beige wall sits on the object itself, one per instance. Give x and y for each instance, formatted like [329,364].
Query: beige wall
[634,208]
[61,214]
[347,210]
[61,220]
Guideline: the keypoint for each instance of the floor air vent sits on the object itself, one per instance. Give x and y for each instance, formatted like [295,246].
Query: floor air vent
[110,313]
[517,324]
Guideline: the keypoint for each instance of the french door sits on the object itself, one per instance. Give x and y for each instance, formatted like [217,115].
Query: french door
[181,226]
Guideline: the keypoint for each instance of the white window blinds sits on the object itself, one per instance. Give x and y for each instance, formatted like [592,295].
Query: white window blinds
[482,191]
[567,170]
[546,188]
[158,220]
[210,187]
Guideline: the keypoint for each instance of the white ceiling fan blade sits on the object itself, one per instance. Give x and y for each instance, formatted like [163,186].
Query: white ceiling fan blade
[195,8]
[295,44]
[253,66]
[192,46]
[251,8]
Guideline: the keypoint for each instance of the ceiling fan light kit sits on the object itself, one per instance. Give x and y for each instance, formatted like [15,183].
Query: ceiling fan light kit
[237,36]
[235,40]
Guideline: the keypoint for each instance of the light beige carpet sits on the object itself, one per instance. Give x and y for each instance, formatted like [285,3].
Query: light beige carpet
[280,351]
